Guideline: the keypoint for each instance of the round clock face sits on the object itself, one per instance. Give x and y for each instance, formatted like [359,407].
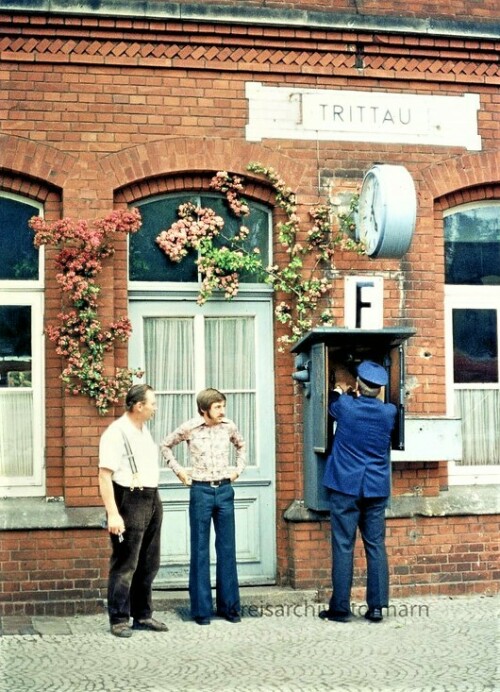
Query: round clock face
[371,213]
[387,211]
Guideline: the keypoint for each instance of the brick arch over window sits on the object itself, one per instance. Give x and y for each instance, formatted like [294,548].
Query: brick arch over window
[26,186]
[171,157]
[33,169]
[478,193]
[199,182]
[481,193]
[462,173]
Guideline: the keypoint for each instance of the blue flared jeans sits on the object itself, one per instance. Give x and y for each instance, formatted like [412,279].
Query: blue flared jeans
[207,504]
[135,562]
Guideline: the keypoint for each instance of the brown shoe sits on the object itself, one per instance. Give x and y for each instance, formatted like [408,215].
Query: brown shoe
[121,629]
[150,624]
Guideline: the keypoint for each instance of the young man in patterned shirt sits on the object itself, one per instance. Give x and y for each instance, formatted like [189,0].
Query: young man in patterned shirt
[211,498]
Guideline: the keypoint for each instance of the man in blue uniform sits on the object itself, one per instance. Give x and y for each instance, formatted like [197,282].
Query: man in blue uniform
[358,476]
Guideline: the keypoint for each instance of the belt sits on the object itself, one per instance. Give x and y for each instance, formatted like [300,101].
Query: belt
[213,484]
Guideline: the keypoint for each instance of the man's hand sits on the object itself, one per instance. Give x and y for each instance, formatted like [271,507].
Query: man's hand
[234,475]
[184,477]
[116,525]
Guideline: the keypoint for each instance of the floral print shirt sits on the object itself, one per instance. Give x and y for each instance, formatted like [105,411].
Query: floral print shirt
[209,449]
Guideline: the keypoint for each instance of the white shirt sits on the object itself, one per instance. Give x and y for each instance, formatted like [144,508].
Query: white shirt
[113,454]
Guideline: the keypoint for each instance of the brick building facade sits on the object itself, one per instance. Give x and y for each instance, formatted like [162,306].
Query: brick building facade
[105,108]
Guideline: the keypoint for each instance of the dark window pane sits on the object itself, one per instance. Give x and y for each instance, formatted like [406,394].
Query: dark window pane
[257,223]
[472,246]
[18,255]
[475,346]
[147,262]
[15,346]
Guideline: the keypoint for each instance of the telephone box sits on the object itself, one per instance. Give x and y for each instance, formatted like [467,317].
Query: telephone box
[327,354]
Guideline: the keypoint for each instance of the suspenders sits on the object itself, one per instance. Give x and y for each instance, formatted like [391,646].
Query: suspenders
[130,455]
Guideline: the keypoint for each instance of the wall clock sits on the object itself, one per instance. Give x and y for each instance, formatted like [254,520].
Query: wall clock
[387,211]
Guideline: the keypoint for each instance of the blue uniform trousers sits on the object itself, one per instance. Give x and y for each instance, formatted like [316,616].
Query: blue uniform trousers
[347,513]
[217,504]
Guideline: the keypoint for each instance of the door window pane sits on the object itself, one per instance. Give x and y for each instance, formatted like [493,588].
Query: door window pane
[18,255]
[148,262]
[475,345]
[472,246]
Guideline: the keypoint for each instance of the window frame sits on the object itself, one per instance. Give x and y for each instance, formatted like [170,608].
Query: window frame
[30,292]
[463,296]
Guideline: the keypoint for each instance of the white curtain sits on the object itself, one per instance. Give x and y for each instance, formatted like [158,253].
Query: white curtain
[16,433]
[174,361]
[480,413]
[169,348]
[230,367]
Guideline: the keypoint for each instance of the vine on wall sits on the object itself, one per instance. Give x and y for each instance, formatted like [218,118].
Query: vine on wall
[301,278]
[80,337]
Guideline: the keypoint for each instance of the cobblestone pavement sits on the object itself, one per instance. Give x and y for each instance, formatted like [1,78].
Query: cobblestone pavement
[437,644]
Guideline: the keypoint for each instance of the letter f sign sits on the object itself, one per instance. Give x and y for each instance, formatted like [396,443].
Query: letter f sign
[363,302]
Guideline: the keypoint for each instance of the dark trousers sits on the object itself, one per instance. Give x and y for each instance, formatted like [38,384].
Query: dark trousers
[135,562]
[347,513]
[208,504]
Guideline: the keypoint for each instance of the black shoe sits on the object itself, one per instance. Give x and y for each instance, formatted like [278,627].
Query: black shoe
[230,617]
[150,624]
[334,616]
[202,621]
[374,615]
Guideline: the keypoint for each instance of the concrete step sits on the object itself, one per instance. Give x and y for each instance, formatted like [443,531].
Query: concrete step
[258,596]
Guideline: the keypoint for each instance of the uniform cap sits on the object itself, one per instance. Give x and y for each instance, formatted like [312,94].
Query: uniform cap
[373,374]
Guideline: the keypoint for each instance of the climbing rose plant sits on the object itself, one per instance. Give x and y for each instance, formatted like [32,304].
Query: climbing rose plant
[301,278]
[80,337]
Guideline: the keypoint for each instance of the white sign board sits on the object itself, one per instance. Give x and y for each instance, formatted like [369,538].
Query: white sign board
[361,116]
[363,302]
[431,439]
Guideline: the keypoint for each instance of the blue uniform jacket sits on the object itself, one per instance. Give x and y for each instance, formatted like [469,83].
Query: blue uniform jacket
[359,462]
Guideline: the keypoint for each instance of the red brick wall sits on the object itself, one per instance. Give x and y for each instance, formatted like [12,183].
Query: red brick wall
[53,572]
[98,112]
[427,555]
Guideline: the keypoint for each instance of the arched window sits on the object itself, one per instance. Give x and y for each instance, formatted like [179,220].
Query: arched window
[472,274]
[21,350]
[147,262]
